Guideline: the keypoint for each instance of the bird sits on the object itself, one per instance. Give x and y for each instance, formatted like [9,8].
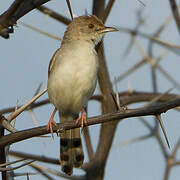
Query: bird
[72,79]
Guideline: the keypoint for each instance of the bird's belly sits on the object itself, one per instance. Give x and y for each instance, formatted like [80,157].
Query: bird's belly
[73,85]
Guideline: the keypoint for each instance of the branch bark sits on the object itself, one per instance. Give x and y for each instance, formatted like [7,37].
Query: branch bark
[54,15]
[119,115]
[95,169]
[175,12]
[126,98]
[2,155]
[17,10]
[113,117]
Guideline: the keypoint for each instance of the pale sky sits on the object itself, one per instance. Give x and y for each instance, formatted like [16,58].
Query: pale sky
[24,64]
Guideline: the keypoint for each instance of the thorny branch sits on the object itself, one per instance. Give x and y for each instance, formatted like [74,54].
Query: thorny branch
[21,7]
[126,98]
[175,12]
[116,116]
[17,10]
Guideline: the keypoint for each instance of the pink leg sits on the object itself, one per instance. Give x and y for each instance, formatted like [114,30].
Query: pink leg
[82,119]
[51,121]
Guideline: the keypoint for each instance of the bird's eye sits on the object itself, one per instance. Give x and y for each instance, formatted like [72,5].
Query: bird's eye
[91,26]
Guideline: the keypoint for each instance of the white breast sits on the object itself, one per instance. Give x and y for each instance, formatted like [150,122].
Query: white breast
[74,77]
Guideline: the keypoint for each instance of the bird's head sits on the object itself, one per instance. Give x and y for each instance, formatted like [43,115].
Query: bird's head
[88,28]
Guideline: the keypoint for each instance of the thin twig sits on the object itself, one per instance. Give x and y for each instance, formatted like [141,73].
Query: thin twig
[134,140]
[88,143]
[153,63]
[176,149]
[3,154]
[41,31]
[54,15]
[157,98]
[108,9]
[5,124]
[126,98]
[69,7]
[146,123]
[12,162]
[172,47]
[25,174]
[175,12]
[34,157]
[25,106]
[43,169]
[42,172]
[142,3]
[17,167]
[137,66]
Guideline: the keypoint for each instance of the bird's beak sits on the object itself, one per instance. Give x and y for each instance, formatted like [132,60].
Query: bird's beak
[107,29]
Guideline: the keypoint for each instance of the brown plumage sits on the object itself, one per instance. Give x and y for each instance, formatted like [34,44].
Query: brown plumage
[72,81]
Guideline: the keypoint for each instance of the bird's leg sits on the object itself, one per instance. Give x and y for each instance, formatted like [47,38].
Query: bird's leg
[51,121]
[82,118]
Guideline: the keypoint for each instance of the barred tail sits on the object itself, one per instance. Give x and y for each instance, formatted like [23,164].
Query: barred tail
[71,152]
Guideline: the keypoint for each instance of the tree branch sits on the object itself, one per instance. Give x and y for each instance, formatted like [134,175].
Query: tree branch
[175,12]
[116,116]
[54,15]
[17,10]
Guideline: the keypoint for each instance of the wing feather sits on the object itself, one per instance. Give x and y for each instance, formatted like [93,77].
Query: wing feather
[51,64]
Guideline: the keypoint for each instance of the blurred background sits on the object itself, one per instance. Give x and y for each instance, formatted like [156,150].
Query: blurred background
[24,65]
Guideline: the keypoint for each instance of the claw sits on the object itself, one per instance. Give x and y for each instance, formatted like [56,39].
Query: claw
[82,119]
[51,122]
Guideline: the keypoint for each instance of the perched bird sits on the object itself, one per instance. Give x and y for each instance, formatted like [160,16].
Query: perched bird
[72,79]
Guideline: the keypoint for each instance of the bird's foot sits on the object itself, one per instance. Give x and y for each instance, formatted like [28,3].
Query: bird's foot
[51,122]
[82,118]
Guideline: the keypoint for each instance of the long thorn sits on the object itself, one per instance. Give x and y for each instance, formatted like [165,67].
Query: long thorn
[69,7]
[163,129]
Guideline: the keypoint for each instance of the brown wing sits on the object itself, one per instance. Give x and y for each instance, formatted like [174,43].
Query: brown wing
[52,62]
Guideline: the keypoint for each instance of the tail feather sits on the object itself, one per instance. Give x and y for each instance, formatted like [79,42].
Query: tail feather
[71,152]
[78,153]
[66,152]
